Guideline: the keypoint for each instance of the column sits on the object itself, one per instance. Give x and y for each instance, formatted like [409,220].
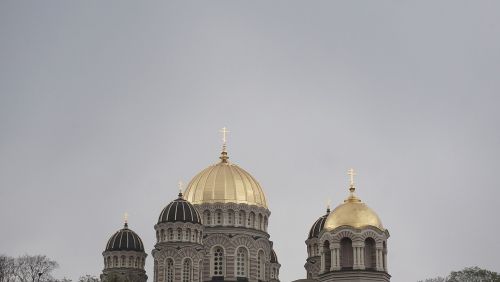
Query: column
[335,256]
[322,268]
[385,261]
[362,257]
[338,258]
[333,259]
[379,259]
[355,256]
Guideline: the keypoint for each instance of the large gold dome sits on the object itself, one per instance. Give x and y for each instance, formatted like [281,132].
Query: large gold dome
[353,213]
[225,182]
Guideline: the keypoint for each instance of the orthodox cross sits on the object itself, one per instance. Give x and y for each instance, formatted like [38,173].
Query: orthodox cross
[180,184]
[351,174]
[125,218]
[224,132]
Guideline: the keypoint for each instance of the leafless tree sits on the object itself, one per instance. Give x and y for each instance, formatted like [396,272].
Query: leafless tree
[88,278]
[7,268]
[35,268]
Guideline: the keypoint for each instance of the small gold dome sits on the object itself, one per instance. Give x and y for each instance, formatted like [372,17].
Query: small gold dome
[353,213]
[225,183]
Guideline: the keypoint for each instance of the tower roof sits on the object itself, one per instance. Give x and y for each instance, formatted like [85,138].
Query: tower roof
[353,212]
[318,225]
[125,240]
[225,182]
[179,210]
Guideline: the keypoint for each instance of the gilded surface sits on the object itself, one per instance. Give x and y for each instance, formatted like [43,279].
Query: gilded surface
[353,213]
[225,183]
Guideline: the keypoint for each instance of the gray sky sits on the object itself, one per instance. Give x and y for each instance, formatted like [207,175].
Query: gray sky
[104,106]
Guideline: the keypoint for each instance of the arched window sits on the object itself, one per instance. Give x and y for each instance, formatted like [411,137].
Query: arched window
[241,262]
[122,261]
[218,261]
[158,238]
[260,225]
[346,254]
[261,266]
[218,217]
[162,235]
[241,218]
[187,270]
[370,252]
[179,234]
[130,261]
[169,270]
[328,256]
[207,220]
[136,263]
[230,217]
[265,223]
[251,220]
[188,234]
[170,234]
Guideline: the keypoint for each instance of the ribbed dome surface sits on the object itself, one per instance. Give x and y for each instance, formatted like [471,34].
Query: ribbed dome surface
[274,257]
[225,183]
[125,240]
[179,210]
[318,226]
[353,213]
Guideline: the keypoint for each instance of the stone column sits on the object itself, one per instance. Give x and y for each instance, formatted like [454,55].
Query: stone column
[333,258]
[362,258]
[357,256]
[379,258]
[336,256]
[322,266]
[385,261]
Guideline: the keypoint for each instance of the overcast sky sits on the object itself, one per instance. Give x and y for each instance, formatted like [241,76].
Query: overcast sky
[105,105]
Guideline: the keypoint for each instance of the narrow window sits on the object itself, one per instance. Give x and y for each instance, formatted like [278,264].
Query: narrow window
[241,262]
[170,270]
[187,271]
[218,259]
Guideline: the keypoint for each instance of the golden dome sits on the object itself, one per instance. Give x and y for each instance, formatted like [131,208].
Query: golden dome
[353,213]
[225,182]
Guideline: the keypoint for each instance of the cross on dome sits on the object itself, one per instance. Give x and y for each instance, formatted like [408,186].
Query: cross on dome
[224,156]
[180,184]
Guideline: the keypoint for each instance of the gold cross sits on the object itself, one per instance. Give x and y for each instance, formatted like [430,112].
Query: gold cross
[351,173]
[179,184]
[224,131]
[125,217]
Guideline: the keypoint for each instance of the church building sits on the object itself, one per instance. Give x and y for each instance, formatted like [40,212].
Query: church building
[216,230]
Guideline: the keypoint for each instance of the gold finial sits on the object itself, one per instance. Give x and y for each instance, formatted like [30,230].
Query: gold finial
[352,197]
[125,219]
[351,174]
[180,185]
[224,156]
[328,203]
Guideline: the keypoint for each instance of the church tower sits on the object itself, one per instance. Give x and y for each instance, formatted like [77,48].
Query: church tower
[235,215]
[313,262]
[353,243]
[124,257]
[178,252]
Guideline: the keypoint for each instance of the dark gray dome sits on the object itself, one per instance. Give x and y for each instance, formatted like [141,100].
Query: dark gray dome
[318,225]
[274,257]
[180,210]
[125,240]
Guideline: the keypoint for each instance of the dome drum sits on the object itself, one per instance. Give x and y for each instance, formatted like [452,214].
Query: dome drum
[231,215]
